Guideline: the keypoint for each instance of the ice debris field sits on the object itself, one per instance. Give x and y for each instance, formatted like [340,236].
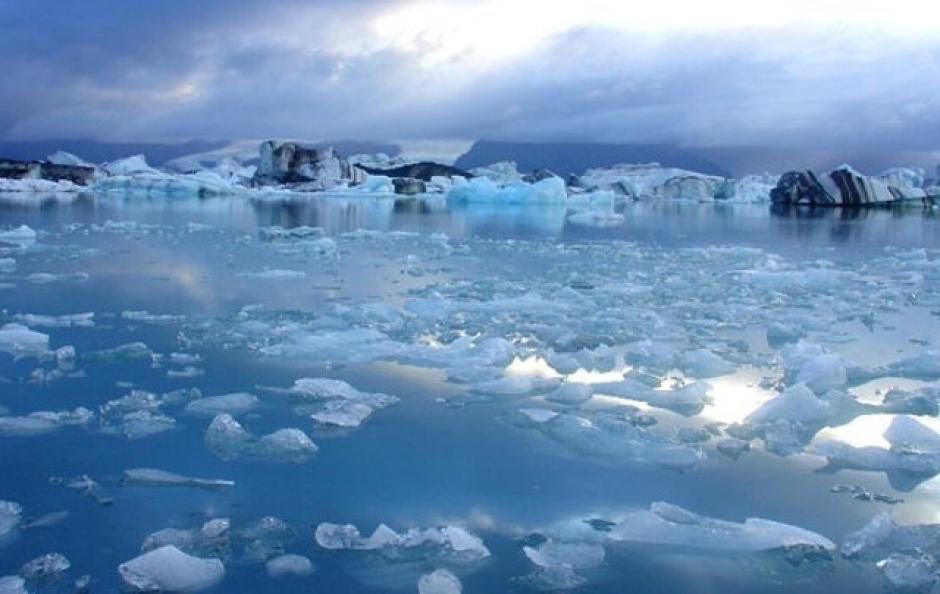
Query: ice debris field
[349,395]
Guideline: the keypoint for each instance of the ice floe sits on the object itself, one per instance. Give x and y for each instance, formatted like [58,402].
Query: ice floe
[227,439]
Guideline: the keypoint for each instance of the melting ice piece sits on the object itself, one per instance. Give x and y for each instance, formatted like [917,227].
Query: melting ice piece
[914,574]
[42,422]
[265,539]
[45,567]
[450,542]
[168,569]
[13,584]
[234,404]
[883,536]
[337,403]
[22,236]
[19,341]
[440,581]
[80,320]
[10,515]
[813,366]
[576,555]
[160,478]
[667,524]
[212,539]
[226,438]
[913,456]
[289,565]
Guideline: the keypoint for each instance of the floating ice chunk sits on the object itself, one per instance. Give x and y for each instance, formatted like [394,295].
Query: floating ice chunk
[150,318]
[45,567]
[227,439]
[909,573]
[234,404]
[343,413]
[66,158]
[10,515]
[275,274]
[134,164]
[538,415]
[883,536]
[450,542]
[797,403]
[19,341]
[44,278]
[733,447]
[482,190]
[440,581]
[325,389]
[144,423]
[80,320]
[22,236]
[152,477]
[50,519]
[13,584]
[134,351]
[289,565]
[168,569]
[913,455]
[212,539]
[265,539]
[812,365]
[667,524]
[515,385]
[687,400]
[702,363]
[571,393]
[42,422]
[575,555]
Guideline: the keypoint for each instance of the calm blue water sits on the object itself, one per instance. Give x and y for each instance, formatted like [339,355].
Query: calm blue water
[437,457]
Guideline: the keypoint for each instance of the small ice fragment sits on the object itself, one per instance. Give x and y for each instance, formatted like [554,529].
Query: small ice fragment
[289,565]
[153,477]
[440,581]
[168,569]
[232,404]
[45,567]
[10,515]
[13,584]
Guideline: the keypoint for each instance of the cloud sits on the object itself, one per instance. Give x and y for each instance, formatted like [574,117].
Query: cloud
[513,70]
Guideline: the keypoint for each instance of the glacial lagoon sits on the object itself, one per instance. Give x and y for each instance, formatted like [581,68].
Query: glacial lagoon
[527,400]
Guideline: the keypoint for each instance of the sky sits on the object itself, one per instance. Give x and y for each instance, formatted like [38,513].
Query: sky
[719,73]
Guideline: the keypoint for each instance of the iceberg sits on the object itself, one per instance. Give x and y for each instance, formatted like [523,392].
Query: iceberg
[882,536]
[168,569]
[336,403]
[482,190]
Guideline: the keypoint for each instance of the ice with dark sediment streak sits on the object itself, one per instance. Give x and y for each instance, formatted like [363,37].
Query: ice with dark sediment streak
[167,569]
[666,524]
[227,439]
[153,477]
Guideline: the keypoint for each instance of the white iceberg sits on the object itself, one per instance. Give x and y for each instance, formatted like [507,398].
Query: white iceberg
[19,341]
[236,403]
[289,565]
[440,581]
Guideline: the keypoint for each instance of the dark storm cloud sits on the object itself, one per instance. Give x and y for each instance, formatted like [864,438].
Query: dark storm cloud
[238,68]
